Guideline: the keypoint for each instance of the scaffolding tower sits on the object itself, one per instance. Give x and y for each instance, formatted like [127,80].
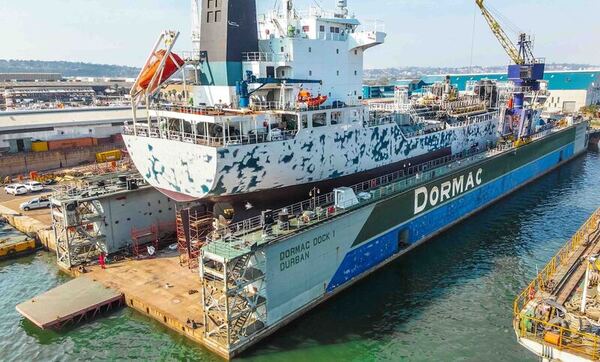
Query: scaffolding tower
[76,231]
[193,226]
[233,297]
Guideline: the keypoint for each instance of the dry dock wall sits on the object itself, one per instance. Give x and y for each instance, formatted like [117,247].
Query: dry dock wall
[23,163]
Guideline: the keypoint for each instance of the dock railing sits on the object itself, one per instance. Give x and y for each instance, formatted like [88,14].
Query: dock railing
[241,235]
[529,327]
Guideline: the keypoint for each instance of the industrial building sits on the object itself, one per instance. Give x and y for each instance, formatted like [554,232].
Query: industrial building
[30,77]
[385,91]
[568,91]
[52,90]
[20,129]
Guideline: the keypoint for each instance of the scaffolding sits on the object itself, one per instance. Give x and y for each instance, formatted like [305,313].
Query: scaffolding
[234,298]
[76,231]
[143,237]
[193,226]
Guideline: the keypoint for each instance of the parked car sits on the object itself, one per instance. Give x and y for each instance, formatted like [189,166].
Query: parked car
[34,186]
[38,203]
[16,189]
[49,182]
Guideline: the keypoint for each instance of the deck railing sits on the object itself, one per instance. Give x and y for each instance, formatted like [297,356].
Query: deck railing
[322,207]
[266,57]
[528,327]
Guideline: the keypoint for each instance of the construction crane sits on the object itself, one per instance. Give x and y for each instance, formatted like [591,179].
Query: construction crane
[525,73]
[517,56]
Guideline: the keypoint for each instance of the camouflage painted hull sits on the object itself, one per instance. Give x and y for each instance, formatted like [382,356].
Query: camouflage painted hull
[188,171]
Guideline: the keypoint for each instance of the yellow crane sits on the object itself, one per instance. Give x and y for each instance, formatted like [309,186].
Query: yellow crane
[510,48]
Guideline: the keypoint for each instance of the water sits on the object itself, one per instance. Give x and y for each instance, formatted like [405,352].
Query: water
[450,300]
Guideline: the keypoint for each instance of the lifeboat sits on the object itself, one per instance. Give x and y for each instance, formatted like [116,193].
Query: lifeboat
[172,64]
[316,101]
[305,97]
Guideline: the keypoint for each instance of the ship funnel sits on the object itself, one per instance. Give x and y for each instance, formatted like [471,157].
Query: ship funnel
[228,30]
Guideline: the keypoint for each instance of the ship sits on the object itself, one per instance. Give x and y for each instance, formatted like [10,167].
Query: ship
[298,187]
[274,110]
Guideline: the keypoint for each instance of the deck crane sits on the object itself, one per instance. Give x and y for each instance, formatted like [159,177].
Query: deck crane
[525,73]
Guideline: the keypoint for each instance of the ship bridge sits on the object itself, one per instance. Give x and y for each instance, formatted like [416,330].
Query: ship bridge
[314,44]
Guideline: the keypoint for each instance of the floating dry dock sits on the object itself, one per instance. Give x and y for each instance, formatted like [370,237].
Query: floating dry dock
[550,318]
[70,303]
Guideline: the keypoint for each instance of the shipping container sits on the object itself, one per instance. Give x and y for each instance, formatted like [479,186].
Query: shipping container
[104,140]
[117,138]
[70,143]
[39,146]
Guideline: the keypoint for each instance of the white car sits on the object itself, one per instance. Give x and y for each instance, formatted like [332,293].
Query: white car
[16,189]
[34,186]
[37,203]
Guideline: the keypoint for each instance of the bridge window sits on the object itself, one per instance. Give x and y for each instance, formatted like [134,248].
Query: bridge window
[338,72]
[309,49]
[270,72]
[337,51]
[209,16]
[310,72]
[217,16]
[319,119]
[336,118]
[304,121]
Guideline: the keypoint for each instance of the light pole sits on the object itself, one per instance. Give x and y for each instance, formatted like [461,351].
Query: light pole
[313,193]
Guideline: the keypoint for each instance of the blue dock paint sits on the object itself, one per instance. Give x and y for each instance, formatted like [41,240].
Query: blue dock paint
[374,252]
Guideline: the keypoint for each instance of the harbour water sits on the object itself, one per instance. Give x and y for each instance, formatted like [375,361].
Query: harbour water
[450,300]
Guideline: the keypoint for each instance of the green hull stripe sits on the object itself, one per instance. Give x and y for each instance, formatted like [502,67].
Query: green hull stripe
[401,208]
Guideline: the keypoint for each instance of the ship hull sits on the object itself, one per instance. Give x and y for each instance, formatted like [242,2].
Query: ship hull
[328,258]
[281,197]
[186,170]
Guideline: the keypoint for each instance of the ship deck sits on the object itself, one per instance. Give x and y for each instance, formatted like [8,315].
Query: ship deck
[548,313]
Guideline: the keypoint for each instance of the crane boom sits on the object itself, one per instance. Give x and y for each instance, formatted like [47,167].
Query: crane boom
[500,34]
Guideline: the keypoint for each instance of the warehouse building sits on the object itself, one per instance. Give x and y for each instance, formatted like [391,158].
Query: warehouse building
[80,127]
[30,77]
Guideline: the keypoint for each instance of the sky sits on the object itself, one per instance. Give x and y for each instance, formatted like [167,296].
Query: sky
[420,32]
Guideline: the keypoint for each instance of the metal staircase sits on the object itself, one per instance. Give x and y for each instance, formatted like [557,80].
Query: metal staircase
[234,297]
[76,225]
